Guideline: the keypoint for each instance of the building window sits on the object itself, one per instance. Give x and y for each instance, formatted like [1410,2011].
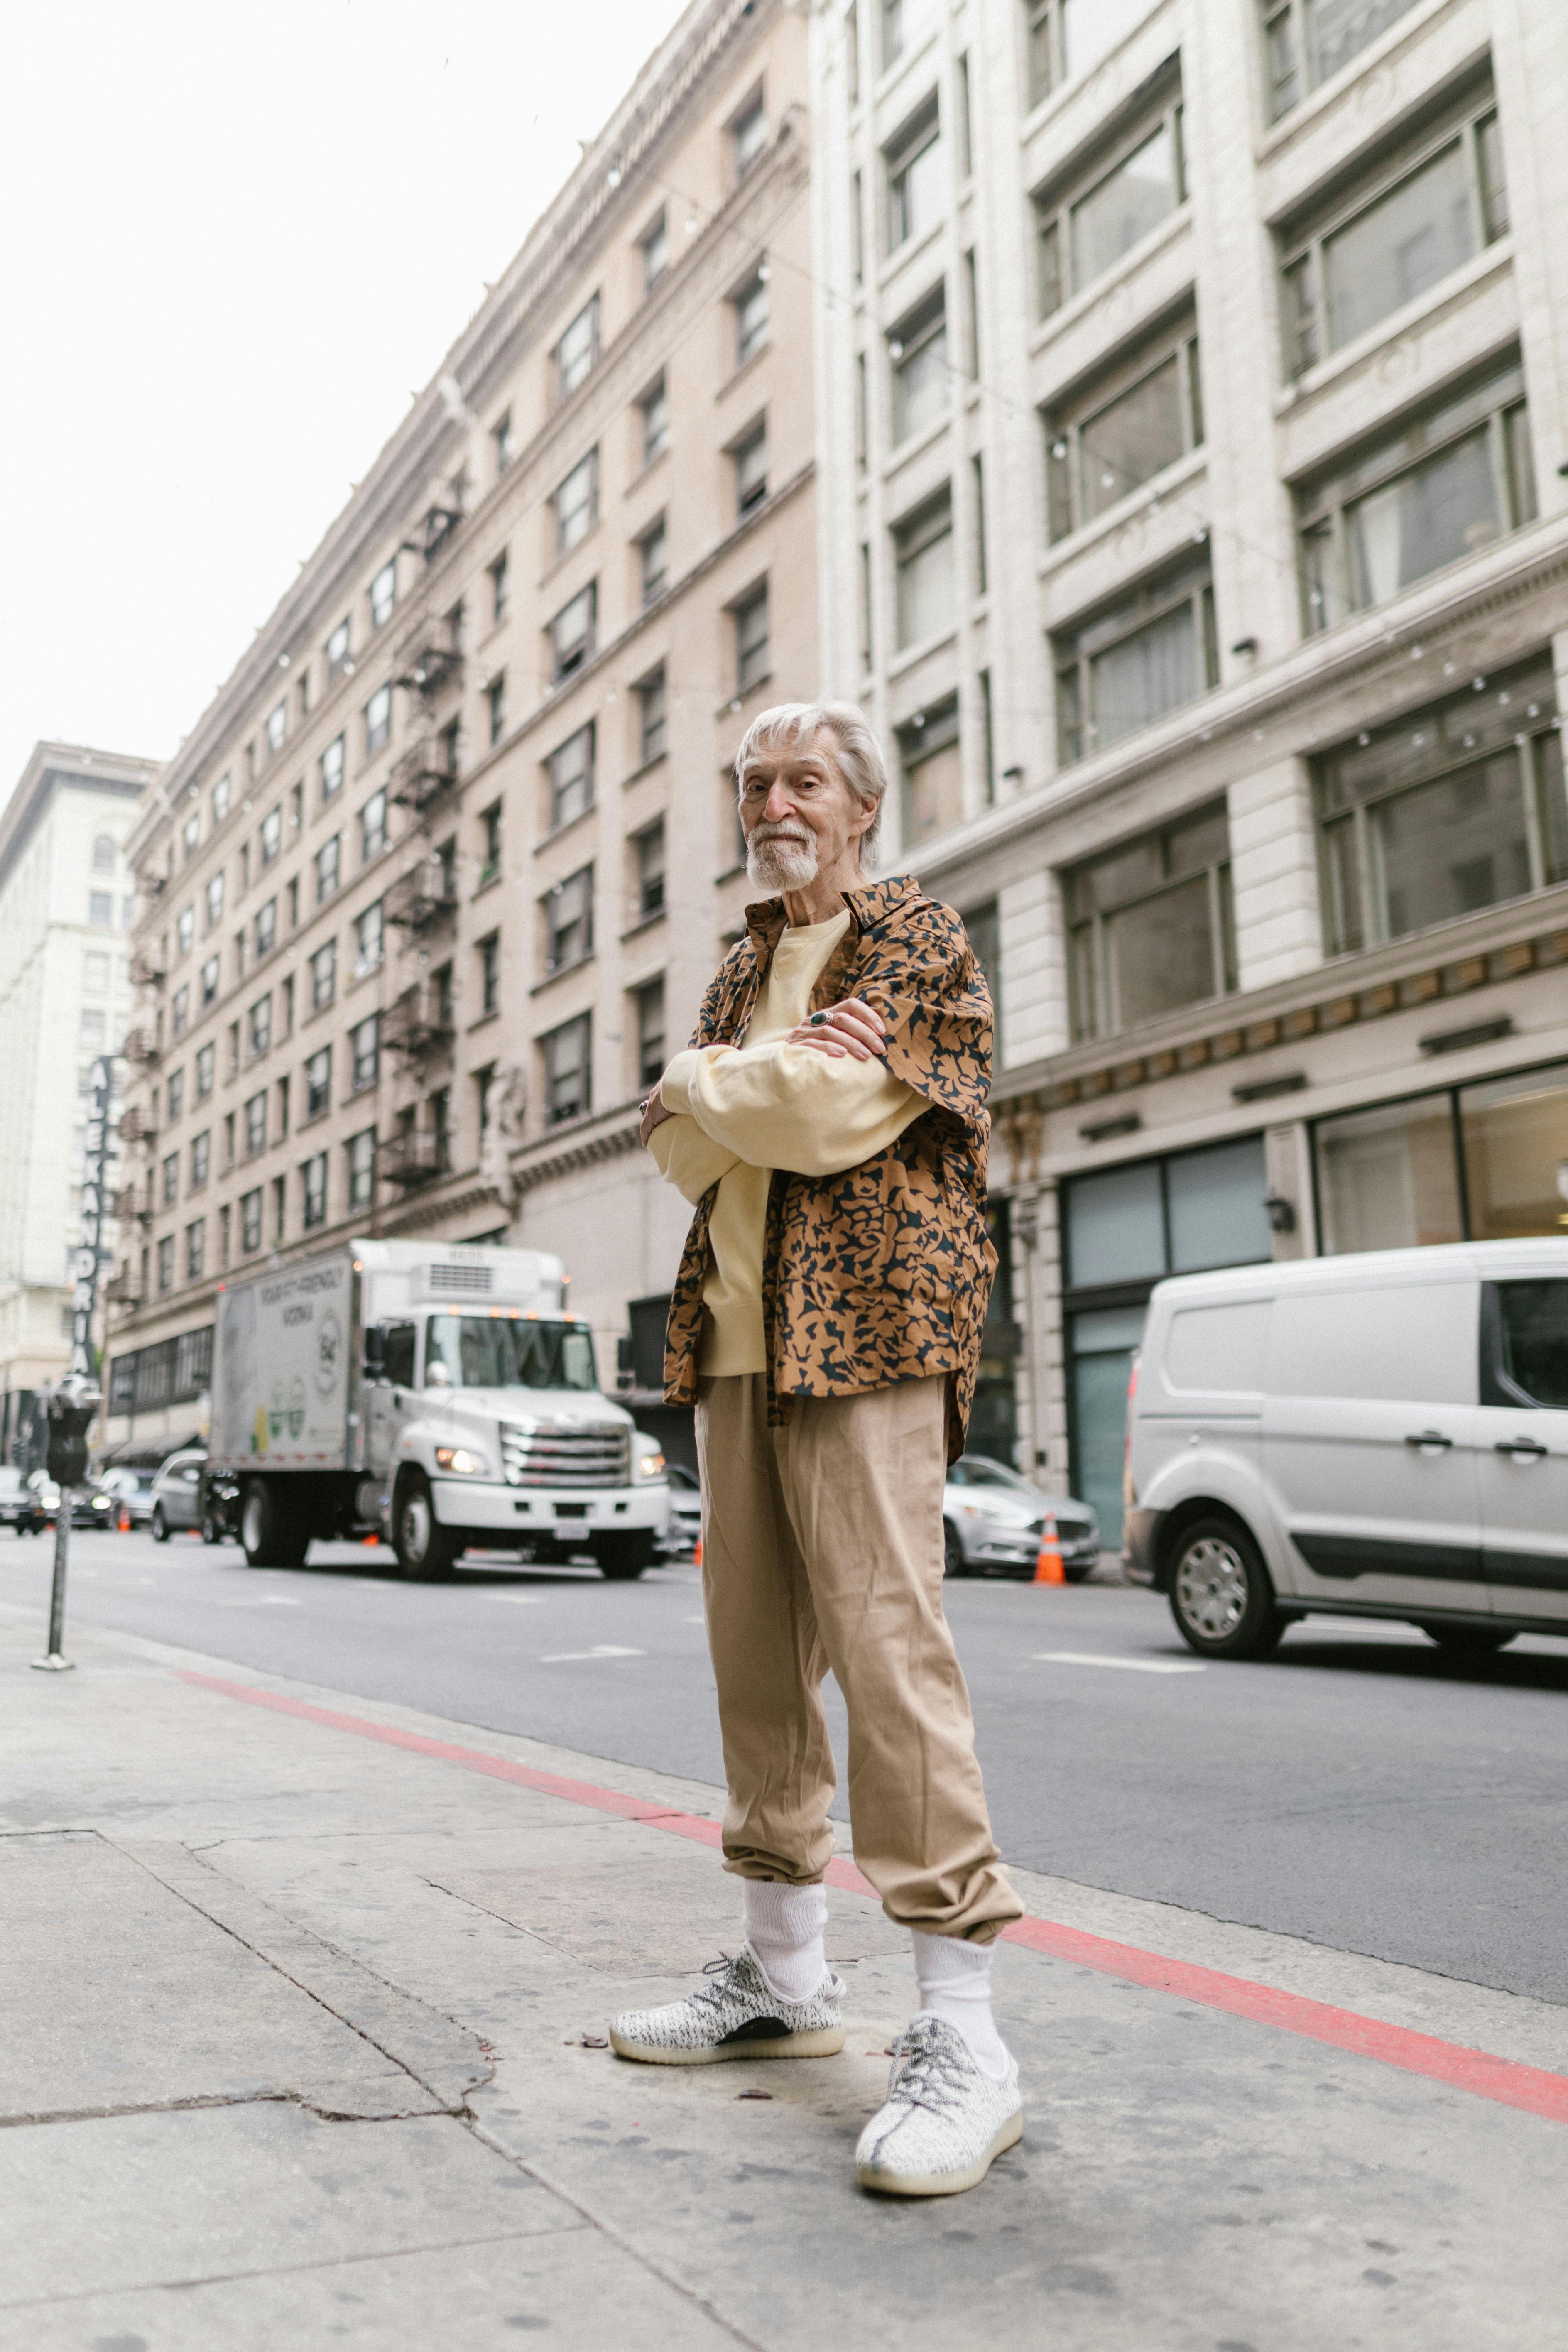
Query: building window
[220,800]
[750,459]
[209,981]
[984,925]
[195,1249]
[180,1011]
[201,1155]
[329,858]
[261,1025]
[653,562]
[1135,419]
[1309,40]
[369,931]
[323,976]
[364,1052]
[279,1209]
[184,926]
[567,1074]
[266,927]
[571,634]
[271,835]
[748,136]
[333,768]
[362,1167]
[578,349]
[1406,226]
[751,650]
[931,769]
[647,848]
[866,642]
[1470,1163]
[654,247]
[170,1193]
[1084,230]
[654,408]
[503,443]
[917,350]
[569,920]
[914,176]
[441,1130]
[338,651]
[575,503]
[441,986]
[256,1124]
[904,22]
[977,476]
[384,594]
[570,771]
[250,1221]
[319,1082]
[857,229]
[166,1263]
[1453,809]
[501,586]
[1067,37]
[373,828]
[313,1178]
[1457,477]
[377,722]
[100,909]
[494,707]
[277,730]
[205,1060]
[651,714]
[650,1033]
[924,570]
[1149,925]
[750,306]
[490,820]
[1133,661]
[215,899]
[103,854]
[490,974]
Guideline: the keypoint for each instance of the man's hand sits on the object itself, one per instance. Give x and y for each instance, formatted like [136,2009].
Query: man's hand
[654,1114]
[853,1028]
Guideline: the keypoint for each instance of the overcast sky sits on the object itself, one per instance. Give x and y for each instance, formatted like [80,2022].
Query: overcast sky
[235,239]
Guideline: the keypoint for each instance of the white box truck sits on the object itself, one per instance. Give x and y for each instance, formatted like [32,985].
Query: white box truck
[439,1394]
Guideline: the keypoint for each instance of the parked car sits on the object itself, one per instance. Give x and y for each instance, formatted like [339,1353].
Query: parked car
[130,1492]
[45,1495]
[177,1494]
[19,1506]
[993,1521]
[92,1505]
[1383,1434]
[685,1510]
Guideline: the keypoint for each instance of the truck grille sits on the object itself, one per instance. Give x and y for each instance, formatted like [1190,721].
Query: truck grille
[565,1454]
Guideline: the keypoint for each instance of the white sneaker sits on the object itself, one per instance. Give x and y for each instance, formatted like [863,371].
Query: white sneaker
[944,2123]
[736,2016]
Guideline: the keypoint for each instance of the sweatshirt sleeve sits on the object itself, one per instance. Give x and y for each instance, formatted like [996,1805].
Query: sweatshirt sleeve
[783,1105]
[687,1158]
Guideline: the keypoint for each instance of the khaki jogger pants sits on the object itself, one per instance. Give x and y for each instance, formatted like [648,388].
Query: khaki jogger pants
[822,1547]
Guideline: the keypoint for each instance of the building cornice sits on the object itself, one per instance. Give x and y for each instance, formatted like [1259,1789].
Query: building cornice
[81,768]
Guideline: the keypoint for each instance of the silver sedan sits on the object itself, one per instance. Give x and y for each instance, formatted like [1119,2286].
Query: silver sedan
[993,1521]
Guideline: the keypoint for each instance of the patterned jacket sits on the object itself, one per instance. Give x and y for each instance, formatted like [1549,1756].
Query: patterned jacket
[883,1272]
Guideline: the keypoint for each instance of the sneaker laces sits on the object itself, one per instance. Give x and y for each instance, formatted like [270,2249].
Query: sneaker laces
[712,1996]
[928,2071]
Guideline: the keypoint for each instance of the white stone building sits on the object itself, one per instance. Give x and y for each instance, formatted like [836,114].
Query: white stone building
[66,906]
[1193,422]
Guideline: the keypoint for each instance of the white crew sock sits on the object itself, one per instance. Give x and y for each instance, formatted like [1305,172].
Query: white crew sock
[783,1927]
[954,1980]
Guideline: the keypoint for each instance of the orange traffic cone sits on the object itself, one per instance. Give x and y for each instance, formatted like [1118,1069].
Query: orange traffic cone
[1048,1567]
[122,1524]
[697,1555]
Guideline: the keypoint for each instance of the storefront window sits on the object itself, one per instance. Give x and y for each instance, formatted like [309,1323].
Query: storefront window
[1515,1140]
[1485,1162]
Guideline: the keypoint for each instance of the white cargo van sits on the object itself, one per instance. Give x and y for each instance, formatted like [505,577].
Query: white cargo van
[1377,1436]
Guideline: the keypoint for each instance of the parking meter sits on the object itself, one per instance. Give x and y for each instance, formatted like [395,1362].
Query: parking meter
[68,1409]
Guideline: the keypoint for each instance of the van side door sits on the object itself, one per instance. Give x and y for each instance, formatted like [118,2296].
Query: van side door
[1368,1442]
[1521,1460]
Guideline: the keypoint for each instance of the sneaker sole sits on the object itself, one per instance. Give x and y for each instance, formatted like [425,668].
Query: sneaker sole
[826,2043]
[942,2184]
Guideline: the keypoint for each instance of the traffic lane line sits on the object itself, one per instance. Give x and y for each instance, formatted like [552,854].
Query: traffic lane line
[1504,2081]
[1133,1666]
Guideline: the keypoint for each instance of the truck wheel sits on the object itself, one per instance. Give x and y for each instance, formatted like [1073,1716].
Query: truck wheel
[1221,1595]
[160,1525]
[270,1532]
[212,1528]
[622,1559]
[425,1549]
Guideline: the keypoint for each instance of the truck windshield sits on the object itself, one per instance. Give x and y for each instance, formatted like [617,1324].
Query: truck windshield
[505,1351]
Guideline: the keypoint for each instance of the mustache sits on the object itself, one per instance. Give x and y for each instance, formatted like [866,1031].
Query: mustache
[788,829]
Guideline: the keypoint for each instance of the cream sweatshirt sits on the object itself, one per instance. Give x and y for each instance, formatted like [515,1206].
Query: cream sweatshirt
[739,1112]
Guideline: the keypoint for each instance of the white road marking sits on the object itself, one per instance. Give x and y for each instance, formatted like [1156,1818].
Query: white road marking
[1133,1666]
[697,1620]
[599,1650]
[519,1599]
[266,1601]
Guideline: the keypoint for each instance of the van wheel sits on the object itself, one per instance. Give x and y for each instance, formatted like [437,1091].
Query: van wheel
[425,1549]
[952,1560]
[622,1558]
[271,1534]
[1469,1641]
[160,1525]
[1221,1596]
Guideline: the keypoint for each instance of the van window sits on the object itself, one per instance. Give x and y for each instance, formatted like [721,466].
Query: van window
[1219,1351]
[1534,1317]
[1409,1343]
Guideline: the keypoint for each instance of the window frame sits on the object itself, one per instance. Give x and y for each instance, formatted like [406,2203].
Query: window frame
[561,783]
[1055,203]
[749,496]
[374,831]
[1088,935]
[579,922]
[1149,602]
[1298,69]
[567,381]
[556,1115]
[1066,426]
[384,594]
[580,651]
[378,721]
[913,534]
[584,511]
[649,1073]
[313,1191]
[920,130]
[652,408]
[318,1075]
[655,241]
[743,159]
[751,308]
[650,886]
[924,323]
[753,655]
[652,722]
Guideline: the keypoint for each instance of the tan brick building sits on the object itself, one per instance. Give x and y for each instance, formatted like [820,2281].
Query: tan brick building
[433,887]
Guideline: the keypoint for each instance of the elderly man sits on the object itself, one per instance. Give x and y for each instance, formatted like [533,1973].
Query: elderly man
[828,1122]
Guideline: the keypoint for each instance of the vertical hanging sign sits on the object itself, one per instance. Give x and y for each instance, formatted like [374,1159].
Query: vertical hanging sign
[89,1253]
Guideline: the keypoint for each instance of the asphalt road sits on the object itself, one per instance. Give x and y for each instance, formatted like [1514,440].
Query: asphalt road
[1359,1788]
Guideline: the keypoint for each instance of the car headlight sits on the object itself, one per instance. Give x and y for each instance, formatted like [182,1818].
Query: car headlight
[458,1459]
[650,1465]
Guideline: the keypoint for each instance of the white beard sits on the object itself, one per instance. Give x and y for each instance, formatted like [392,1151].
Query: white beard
[780,863]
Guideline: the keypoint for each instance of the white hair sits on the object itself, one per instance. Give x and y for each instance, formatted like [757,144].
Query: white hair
[859,755]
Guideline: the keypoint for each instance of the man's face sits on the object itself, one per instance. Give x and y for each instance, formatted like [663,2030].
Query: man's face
[798,815]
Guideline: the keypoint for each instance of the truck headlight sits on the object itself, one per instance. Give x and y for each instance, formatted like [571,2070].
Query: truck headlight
[458,1459]
[650,1465]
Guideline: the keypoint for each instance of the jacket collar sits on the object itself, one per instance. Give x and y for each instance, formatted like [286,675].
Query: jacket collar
[766,920]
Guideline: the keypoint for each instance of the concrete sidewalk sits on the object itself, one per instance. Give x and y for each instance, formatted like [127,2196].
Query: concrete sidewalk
[300,2048]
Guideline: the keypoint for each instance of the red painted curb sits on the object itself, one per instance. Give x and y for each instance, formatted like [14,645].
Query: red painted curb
[1501,2080]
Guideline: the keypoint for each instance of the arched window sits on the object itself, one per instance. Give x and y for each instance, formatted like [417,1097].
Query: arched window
[103,854]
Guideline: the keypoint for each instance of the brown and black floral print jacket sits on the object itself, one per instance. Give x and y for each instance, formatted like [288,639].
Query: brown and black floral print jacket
[881,1274]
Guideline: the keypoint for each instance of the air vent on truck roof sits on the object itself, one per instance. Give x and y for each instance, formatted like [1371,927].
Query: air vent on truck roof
[459,1281]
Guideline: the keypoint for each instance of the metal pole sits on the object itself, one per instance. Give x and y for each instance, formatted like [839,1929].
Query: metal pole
[55,1662]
